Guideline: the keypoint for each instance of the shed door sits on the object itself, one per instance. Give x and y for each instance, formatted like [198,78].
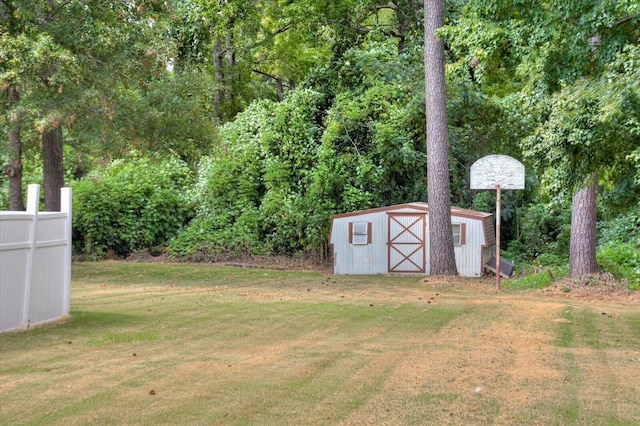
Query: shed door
[406,244]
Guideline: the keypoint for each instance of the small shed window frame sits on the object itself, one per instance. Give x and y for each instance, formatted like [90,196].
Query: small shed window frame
[459,233]
[360,233]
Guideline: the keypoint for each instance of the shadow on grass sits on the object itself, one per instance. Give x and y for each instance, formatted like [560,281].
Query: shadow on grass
[103,319]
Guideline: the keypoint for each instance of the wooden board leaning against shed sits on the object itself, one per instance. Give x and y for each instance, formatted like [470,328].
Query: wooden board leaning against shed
[497,172]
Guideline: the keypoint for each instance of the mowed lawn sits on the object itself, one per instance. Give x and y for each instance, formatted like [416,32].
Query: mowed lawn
[150,344]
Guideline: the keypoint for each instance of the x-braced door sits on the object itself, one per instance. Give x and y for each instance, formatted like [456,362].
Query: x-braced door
[407,242]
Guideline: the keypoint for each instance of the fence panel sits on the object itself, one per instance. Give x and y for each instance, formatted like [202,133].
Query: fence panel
[35,264]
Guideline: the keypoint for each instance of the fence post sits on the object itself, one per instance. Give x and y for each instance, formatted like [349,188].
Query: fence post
[33,201]
[66,201]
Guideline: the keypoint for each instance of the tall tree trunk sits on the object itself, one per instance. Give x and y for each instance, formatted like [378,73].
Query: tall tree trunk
[582,255]
[224,61]
[230,65]
[441,253]
[14,169]
[52,168]
[217,69]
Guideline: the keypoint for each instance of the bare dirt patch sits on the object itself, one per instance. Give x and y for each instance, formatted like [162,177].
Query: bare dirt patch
[279,348]
[597,287]
[592,288]
[282,263]
[505,357]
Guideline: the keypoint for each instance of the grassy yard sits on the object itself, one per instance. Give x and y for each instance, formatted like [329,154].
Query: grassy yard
[200,344]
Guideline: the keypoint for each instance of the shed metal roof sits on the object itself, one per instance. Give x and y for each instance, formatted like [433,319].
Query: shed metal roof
[455,211]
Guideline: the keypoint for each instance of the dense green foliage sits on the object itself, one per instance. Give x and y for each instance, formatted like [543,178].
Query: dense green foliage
[623,261]
[288,112]
[535,277]
[283,168]
[129,204]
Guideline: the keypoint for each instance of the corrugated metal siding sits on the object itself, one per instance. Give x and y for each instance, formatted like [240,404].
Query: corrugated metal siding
[373,258]
[360,259]
[469,255]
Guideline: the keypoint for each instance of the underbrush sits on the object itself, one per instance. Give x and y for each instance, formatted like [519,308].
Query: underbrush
[623,261]
[617,261]
[532,277]
[612,276]
[130,204]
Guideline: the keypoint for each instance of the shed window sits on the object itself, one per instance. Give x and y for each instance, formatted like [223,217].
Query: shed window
[360,232]
[459,233]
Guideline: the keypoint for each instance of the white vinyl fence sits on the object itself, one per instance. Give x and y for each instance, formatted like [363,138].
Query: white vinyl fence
[35,263]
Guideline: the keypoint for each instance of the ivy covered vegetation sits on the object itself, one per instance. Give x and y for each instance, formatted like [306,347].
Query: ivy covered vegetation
[220,130]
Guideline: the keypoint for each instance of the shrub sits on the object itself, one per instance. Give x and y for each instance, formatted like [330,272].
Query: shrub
[227,192]
[215,237]
[534,277]
[622,260]
[623,229]
[130,204]
[542,232]
[550,260]
[250,192]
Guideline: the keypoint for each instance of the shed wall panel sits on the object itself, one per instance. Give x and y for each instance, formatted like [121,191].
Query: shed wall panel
[469,255]
[374,258]
[358,259]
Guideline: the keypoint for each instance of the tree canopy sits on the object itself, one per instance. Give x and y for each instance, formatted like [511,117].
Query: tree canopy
[289,111]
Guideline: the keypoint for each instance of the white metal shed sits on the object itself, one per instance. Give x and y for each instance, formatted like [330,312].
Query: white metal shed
[395,239]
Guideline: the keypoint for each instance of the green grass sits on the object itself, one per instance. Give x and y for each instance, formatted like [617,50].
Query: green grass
[601,329]
[605,340]
[532,280]
[565,330]
[201,344]
[569,411]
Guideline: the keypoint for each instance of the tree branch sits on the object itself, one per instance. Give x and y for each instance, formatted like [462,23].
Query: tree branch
[387,6]
[281,30]
[623,20]
[272,77]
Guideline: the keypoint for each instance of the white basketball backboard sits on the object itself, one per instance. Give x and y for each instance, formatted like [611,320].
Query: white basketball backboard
[497,169]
